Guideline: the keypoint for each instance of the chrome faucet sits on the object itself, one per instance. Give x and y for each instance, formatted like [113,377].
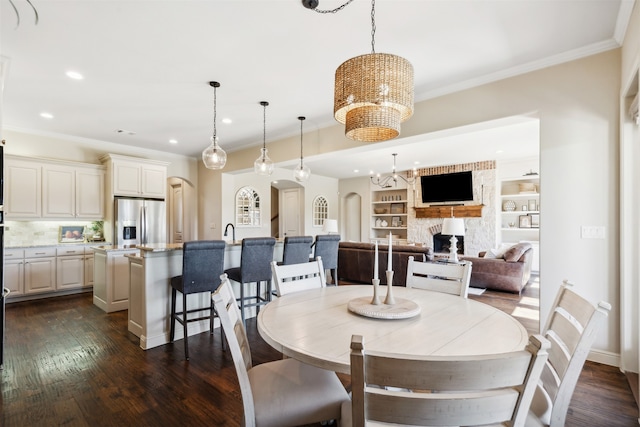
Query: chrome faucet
[233,229]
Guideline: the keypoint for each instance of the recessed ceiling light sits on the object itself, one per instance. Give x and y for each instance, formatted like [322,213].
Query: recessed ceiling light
[173,141]
[416,162]
[356,171]
[75,75]
[499,151]
[227,121]
[46,115]
[274,182]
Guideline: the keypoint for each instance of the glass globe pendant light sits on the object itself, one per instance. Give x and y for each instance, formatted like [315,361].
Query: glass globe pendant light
[302,172]
[263,164]
[214,156]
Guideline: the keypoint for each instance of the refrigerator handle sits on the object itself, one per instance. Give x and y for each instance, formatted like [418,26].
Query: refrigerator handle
[143,223]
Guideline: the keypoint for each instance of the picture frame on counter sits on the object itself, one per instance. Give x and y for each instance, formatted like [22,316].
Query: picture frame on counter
[532,205]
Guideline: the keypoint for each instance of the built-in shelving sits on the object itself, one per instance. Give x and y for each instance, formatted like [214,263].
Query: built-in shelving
[389,215]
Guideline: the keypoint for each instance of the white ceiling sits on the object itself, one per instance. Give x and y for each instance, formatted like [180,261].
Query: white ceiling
[147,64]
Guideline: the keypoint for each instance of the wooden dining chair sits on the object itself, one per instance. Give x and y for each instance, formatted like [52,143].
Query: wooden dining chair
[298,277]
[280,393]
[442,390]
[441,277]
[571,328]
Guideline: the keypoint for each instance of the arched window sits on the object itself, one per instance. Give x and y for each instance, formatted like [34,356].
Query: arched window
[247,207]
[320,211]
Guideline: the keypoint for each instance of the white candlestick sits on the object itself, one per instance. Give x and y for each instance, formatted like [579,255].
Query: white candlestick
[389,266]
[375,263]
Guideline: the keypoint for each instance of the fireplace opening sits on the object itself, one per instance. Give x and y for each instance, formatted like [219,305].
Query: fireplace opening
[442,243]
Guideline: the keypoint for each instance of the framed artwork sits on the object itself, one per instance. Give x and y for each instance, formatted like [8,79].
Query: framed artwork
[535,220]
[71,233]
[524,221]
[397,208]
[532,205]
[395,221]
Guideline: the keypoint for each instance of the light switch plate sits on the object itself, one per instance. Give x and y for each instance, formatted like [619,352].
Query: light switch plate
[592,232]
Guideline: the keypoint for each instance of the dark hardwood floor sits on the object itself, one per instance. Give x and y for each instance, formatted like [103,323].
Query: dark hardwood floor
[69,364]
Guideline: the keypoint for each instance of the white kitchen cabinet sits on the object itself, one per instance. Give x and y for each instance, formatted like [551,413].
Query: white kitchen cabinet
[39,270]
[72,192]
[88,267]
[23,189]
[111,279]
[70,267]
[137,177]
[51,189]
[14,271]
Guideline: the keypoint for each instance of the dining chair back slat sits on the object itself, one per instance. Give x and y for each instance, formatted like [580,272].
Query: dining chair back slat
[298,277]
[440,277]
[444,390]
[571,329]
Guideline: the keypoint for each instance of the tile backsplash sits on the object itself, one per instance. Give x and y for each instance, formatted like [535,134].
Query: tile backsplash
[35,233]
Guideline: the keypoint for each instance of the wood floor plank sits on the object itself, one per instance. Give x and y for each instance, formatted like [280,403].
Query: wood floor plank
[68,363]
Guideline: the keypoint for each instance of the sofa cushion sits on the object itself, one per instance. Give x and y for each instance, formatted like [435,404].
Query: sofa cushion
[497,253]
[515,252]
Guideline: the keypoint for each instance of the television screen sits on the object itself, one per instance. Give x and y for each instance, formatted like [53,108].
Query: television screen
[450,187]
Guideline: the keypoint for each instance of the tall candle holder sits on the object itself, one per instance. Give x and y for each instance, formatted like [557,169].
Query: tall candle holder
[390,300]
[376,299]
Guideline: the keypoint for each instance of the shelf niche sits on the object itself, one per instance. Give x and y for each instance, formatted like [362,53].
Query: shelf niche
[448,211]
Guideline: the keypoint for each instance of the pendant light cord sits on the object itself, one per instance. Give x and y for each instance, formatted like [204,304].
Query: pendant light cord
[215,113]
[337,9]
[301,118]
[264,125]
[373,26]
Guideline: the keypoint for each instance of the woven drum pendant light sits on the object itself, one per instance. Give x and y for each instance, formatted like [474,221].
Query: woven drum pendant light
[373,93]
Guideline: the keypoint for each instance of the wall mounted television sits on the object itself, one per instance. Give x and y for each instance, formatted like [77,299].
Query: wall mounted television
[449,187]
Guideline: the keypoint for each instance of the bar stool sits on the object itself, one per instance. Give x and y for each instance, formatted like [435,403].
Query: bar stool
[297,249]
[202,265]
[326,246]
[255,266]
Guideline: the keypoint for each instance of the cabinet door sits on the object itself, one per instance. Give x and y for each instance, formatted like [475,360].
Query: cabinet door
[70,272]
[58,192]
[119,279]
[154,181]
[89,194]
[39,275]
[23,190]
[88,270]
[126,178]
[14,276]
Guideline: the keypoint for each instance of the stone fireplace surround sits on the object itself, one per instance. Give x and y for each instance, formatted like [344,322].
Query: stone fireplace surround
[481,233]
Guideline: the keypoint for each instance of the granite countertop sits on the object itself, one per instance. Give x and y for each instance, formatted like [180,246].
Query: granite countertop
[111,248]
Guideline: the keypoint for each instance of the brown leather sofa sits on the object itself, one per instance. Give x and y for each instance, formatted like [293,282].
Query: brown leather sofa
[355,261]
[509,273]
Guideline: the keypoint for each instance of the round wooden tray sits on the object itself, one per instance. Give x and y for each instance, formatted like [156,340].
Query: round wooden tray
[402,309]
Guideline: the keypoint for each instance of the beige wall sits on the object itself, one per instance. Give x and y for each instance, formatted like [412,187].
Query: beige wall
[577,104]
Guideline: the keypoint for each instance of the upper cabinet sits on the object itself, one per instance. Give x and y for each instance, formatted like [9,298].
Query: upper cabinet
[135,177]
[38,188]
[23,191]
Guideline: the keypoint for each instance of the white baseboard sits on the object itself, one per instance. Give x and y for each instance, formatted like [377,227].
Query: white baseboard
[604,357]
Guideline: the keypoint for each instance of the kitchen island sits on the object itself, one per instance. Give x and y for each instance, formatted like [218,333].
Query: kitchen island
[150,273]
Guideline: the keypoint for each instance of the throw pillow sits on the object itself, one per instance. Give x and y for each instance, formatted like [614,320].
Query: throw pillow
[499,252]
[489,254]
[516,251]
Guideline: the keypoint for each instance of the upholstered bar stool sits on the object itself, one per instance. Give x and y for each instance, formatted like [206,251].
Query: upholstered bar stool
[326,246]
[297,249]
[202,265]
[255,267]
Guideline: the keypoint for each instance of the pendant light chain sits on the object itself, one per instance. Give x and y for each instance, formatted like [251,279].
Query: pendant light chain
[373,26]
[336,10]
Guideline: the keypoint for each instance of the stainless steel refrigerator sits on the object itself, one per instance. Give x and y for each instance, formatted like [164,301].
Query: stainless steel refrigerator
[140,221]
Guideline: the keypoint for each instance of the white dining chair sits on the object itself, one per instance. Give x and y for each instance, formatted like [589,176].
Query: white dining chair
[442,390]
[451,278]
[298,277]
[571,328]
[280,393]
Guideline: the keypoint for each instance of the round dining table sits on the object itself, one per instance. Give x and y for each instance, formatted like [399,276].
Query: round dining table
[316,326]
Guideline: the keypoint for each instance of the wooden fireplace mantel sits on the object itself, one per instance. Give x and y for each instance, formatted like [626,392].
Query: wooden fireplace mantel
[447,211]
